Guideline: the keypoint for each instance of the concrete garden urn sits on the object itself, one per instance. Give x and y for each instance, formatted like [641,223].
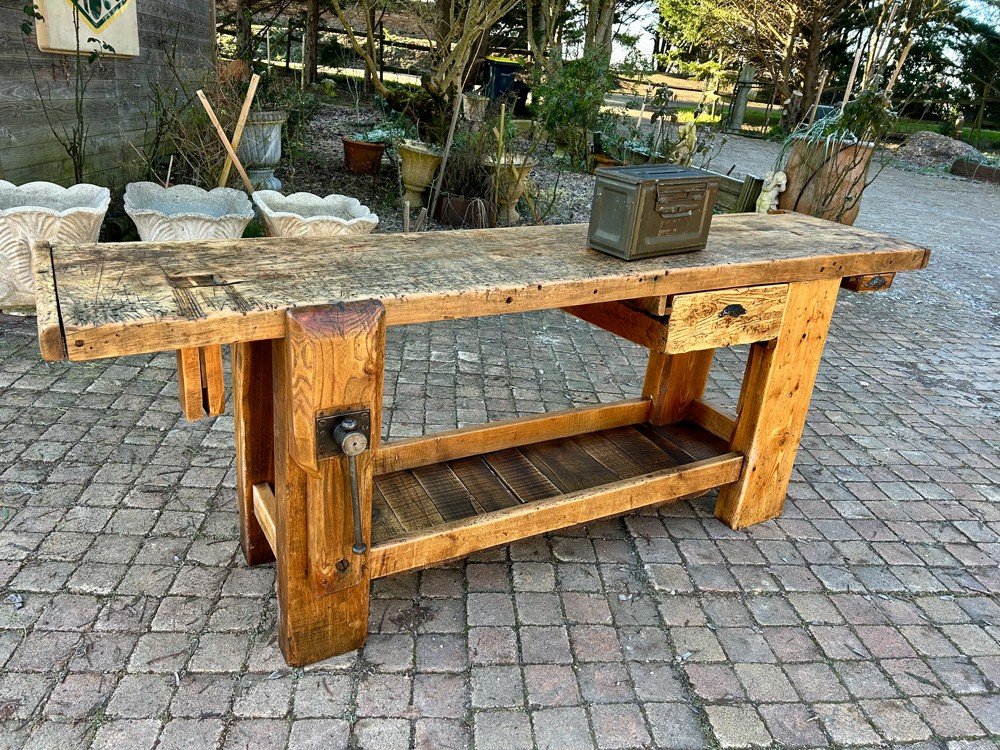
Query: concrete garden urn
[512,177]
[260,147]
[418,164]
[308,215]
[40,211]
[187,212]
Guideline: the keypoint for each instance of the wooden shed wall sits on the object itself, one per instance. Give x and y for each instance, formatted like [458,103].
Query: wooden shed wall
[116,96]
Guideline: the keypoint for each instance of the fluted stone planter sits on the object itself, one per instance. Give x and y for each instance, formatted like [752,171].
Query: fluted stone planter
[418,164]
[260,148]
[308,215]
[512,175]
[40,211]
[186,212]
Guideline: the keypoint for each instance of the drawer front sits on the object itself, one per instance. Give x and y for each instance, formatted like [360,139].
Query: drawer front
[708,320]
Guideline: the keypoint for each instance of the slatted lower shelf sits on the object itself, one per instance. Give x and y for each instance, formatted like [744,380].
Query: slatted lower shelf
[495,494]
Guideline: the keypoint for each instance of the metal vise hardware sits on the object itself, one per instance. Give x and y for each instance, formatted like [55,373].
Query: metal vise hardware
[347,434]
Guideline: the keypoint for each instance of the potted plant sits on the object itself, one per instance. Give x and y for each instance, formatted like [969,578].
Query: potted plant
[827,163]
[466,197]
[308,215]
[418,163]
[260,147]
[186,212]
[363,153]
[39,211]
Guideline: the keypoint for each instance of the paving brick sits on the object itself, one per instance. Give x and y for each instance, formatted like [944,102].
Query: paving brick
[738,726]
[190,734]
[846,724]
[619,726]
[503,730]
[127,733]
[550,685]
[319,734]
[383,694]
[896,720]
[381,734]
[496,687]
[141,696]
[441,734]
[252,734]
[793,725]
[675,726]
[444,696]
[562,729]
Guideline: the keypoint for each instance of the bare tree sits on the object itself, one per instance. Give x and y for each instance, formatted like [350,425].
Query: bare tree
[456,29]
[543,33]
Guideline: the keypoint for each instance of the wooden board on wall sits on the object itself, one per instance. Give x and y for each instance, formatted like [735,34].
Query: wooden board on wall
[28,148]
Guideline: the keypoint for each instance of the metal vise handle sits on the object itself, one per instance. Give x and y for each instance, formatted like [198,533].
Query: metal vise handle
[352,443]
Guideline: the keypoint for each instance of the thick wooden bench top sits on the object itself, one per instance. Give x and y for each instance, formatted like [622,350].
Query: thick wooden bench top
[103,300]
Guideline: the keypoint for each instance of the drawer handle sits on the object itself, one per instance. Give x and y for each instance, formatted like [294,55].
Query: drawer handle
[732,311]
[667,213]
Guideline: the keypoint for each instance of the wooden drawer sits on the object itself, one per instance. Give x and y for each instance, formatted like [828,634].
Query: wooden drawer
[708,320]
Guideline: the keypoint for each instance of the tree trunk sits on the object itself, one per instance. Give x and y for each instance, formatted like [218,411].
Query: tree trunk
[310,53]
[810,71]
[371,25]
[600,26]
[244,32]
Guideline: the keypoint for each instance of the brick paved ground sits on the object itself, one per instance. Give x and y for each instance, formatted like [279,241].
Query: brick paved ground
[866,616]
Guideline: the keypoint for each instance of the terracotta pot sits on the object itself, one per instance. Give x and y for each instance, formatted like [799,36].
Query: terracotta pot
[361,157]
[460,211]
[417,163]
[603,160]
[826,180]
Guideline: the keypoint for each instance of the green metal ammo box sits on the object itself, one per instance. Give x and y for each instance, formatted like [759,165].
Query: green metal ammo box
[653,209]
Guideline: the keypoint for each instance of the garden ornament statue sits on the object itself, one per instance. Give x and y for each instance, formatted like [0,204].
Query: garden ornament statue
[774,183]
[687,144]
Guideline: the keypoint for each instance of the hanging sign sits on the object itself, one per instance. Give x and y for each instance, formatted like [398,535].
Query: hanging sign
[113,23]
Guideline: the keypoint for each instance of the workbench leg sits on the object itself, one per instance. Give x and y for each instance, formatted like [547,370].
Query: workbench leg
[332,361]
[253,417]
[673,381]
[771,415]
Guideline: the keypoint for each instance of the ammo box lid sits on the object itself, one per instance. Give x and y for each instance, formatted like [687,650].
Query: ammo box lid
[637,175]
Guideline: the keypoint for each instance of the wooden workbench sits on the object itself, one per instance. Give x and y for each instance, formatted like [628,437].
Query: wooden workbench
[307,321]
